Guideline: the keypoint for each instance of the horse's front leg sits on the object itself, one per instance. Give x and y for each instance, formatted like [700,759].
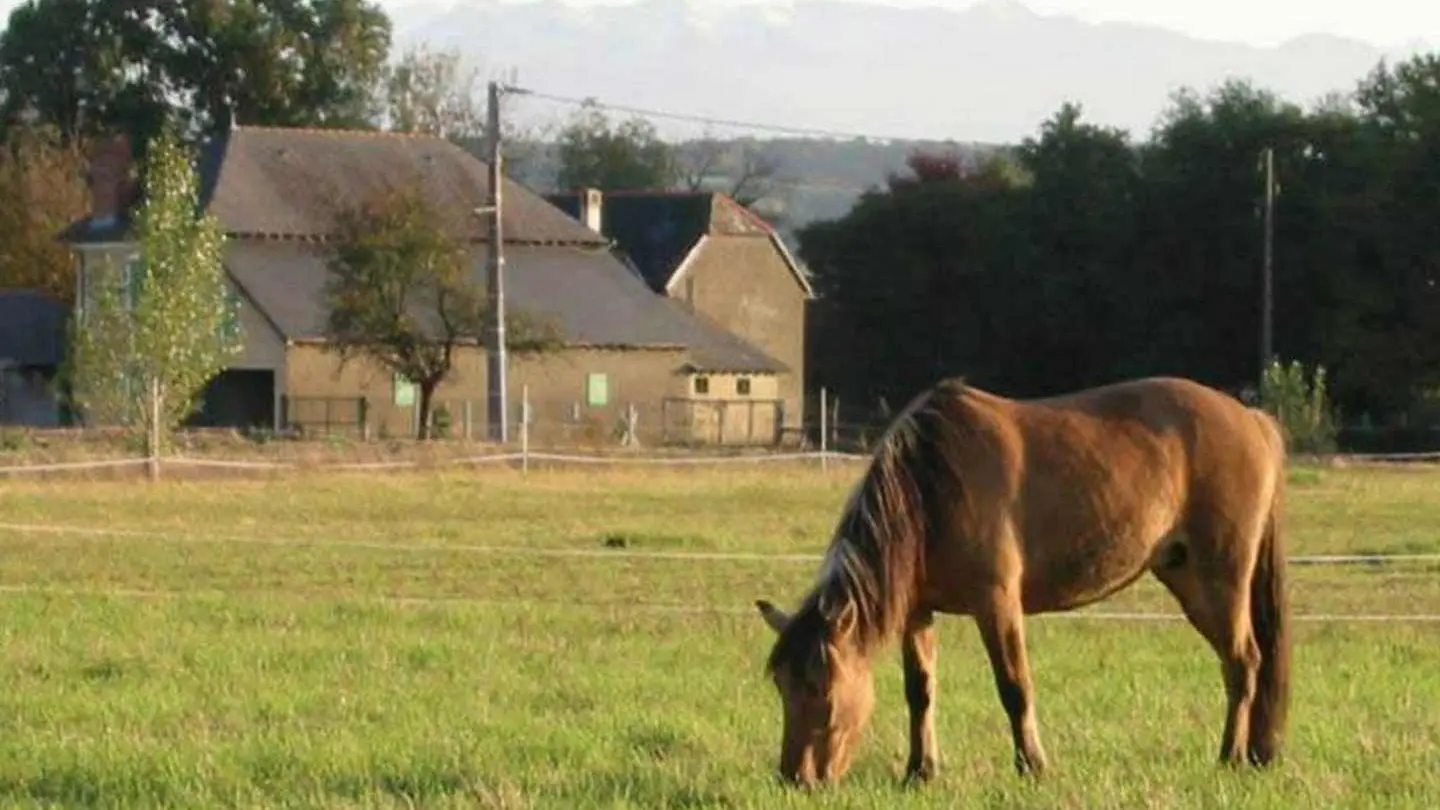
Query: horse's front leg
[918,652]
[1002,627]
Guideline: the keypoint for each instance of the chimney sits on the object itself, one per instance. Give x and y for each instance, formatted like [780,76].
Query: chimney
[591,202]
[111,183]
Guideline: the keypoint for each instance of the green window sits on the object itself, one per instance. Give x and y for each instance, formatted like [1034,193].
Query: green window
[597,390]
[230,326]
[132,281]
[404,391]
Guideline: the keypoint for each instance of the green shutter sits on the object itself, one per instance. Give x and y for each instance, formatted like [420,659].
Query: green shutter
[134,281]
[230,326]
[597,390]
[404,391]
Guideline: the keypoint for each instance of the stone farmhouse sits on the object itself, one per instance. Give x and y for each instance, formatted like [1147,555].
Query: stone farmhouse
[697,351]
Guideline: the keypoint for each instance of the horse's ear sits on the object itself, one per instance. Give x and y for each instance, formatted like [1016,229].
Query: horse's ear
[773,616]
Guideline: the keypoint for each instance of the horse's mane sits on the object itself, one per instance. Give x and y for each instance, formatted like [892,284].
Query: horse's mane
[875,563]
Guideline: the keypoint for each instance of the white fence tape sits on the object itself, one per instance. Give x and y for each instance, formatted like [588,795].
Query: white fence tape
[634,607]
[542,551]
[477,460]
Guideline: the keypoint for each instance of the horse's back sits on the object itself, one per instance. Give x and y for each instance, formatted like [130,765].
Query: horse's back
[1092,482]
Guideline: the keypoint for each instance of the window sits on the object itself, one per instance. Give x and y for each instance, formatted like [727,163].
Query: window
[230,325]
[132,280]
[404,391]
[742,387]
[702,385]
[597,390]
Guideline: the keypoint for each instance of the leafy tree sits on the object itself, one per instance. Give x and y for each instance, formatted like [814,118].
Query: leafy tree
[277,62]
[1301,405]
[432,93]
[82,66]
[42,190]
[402,293]
[924,270]
[153,333]
[1082,218]
[594,152]
[1203,239]
[90,66]
[1400,127]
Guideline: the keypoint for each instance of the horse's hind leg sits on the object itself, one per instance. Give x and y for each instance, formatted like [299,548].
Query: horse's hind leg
[1002,628]
[1212,582]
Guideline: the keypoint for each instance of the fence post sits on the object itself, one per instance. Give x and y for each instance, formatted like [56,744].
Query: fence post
[525,428]
[364,418]
[835,423]
[153,439]
[824,429]
[466,409]
[631,437]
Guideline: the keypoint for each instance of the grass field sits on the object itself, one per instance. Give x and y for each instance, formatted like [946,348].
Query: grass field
[346,641]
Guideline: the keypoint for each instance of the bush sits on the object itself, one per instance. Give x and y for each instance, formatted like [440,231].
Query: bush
[1300,405]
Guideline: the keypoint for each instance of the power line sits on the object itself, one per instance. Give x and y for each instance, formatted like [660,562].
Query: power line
[732,123]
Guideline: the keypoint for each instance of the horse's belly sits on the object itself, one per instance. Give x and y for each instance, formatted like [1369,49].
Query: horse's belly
[1066,575]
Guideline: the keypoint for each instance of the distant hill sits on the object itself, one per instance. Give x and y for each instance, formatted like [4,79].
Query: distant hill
[989,74]
[814,179]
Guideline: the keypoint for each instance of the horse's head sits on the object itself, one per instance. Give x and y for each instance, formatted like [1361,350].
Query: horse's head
[826,691]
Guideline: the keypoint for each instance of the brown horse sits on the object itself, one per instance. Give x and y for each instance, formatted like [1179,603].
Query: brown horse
[994,508]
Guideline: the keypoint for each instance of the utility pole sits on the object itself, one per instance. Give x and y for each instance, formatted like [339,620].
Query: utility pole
[496,365]
[1267,310]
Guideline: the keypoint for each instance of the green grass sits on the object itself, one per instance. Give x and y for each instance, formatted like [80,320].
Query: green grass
[359,641]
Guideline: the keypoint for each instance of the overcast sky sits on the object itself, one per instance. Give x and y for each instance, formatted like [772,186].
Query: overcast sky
[1258,22]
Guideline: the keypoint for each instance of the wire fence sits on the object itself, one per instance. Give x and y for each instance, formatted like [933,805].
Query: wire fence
[766,558]
[591,555]
[346,435]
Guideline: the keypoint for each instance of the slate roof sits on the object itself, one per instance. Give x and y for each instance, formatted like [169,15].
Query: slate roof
[275,191]
[588,292]
[32,328]
[658,229]
[288,182]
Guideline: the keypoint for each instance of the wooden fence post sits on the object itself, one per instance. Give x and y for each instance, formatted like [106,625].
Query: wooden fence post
[525,428]
[824,429]
[153,439]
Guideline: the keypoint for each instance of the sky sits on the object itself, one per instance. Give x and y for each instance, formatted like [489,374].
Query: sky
[1386,23]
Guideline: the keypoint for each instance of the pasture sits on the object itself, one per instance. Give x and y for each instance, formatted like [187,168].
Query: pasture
[586,638]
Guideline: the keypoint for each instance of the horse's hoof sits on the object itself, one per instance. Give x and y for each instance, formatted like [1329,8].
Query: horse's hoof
[918,775]
[1031,768]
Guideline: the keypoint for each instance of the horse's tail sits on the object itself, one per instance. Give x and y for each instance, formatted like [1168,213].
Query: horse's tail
[1270,619]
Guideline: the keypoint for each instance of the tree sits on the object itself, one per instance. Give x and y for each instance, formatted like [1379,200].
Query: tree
[42,190]
[1082,216]
[276,62]
[1399,130]
[596,153]
[89,66]
[738,168]
[431,93]
[153,333]
[401,293]
[82,66]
